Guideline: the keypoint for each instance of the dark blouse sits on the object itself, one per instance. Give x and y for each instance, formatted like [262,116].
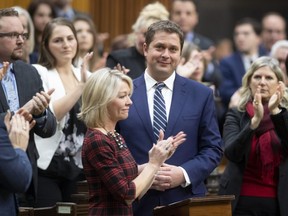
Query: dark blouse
[109,170]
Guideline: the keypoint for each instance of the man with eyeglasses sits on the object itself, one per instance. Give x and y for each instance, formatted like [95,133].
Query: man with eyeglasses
[21,89]
[15,35]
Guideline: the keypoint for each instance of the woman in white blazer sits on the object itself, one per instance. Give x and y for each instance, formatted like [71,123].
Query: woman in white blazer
[59,162]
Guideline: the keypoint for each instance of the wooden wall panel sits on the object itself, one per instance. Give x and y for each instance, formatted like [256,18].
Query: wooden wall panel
[217,18]
[117,16]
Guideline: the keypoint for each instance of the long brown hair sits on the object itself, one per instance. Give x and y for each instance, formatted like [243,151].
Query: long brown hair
[46,59]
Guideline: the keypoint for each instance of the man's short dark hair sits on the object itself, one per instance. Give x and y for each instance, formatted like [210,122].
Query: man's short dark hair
[164,26]
[250,21]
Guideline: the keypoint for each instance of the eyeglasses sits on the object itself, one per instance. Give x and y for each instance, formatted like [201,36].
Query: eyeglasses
[15,35]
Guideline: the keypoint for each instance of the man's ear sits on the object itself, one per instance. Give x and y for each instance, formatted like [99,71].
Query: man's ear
[145,48]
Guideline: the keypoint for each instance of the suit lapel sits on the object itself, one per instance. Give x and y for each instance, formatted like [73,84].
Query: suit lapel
[140,103]
[3,101]
[177,103]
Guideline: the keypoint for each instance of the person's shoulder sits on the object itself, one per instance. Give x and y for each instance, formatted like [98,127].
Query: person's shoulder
[202,41]
[189,83]
[124,53]
[23,65]
[39,67]
[24,68]
[231,59]
[234,111]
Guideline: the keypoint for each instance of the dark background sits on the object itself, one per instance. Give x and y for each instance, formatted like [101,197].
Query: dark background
[218,17]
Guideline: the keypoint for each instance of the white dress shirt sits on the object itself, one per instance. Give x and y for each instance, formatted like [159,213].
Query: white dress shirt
[167,93]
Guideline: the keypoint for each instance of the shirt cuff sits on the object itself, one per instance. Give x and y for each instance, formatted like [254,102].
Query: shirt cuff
[187,179]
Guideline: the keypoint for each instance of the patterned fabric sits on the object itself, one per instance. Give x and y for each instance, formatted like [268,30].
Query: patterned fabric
[9,84]
[109,170]
[159,110]
[73,135]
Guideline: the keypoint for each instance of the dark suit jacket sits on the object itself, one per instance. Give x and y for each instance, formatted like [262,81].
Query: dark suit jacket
[201,41]
[28,84]
[130,58]
[192,111]
[15,173]
[237,138]
[232,70]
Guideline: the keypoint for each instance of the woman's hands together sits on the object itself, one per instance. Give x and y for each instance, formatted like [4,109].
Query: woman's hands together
[164,149]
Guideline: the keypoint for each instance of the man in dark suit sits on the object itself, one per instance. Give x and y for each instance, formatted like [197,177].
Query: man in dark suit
[184,13]
[27,88]
[189,108]
[15,168]
[247,40]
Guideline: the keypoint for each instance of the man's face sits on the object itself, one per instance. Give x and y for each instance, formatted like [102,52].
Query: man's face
[245,38]
[185,15]
[11,47]
[162,55]
[273,30]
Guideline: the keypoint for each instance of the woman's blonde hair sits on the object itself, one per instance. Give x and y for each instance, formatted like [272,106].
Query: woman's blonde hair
[151,13]
[245,91]
[100,89]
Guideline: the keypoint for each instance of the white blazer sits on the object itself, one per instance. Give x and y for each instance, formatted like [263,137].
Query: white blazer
[47,146]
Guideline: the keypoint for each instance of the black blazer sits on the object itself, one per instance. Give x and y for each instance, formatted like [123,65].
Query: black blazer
[28,84]
[130,58]
[237,137]
[201,41]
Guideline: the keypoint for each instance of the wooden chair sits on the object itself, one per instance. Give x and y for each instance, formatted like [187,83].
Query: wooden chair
[82,201]
[82,186]
[60,209]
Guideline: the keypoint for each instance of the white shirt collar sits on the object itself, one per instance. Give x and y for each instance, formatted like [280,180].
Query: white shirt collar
[150,82]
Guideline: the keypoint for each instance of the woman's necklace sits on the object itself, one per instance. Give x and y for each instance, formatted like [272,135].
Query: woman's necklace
[117,137]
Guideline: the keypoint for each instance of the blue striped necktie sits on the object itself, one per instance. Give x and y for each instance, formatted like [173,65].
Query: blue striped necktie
[159,110]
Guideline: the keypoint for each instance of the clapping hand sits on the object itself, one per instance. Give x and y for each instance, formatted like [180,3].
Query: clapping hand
[123,69]
[276,98]
[18,130]
[4,70]
[39,103]
[84,67]
[187,69]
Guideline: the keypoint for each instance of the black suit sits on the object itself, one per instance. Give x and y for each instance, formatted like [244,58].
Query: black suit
[130,58]
[28,84]
[201,41]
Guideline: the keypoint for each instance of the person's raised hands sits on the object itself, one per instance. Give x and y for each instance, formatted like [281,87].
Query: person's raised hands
[84,66]
[187,69]
[258,109]
[18,130]
[276,98]
[39,103]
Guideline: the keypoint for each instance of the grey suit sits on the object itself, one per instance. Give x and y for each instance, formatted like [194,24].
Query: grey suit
[28,84]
